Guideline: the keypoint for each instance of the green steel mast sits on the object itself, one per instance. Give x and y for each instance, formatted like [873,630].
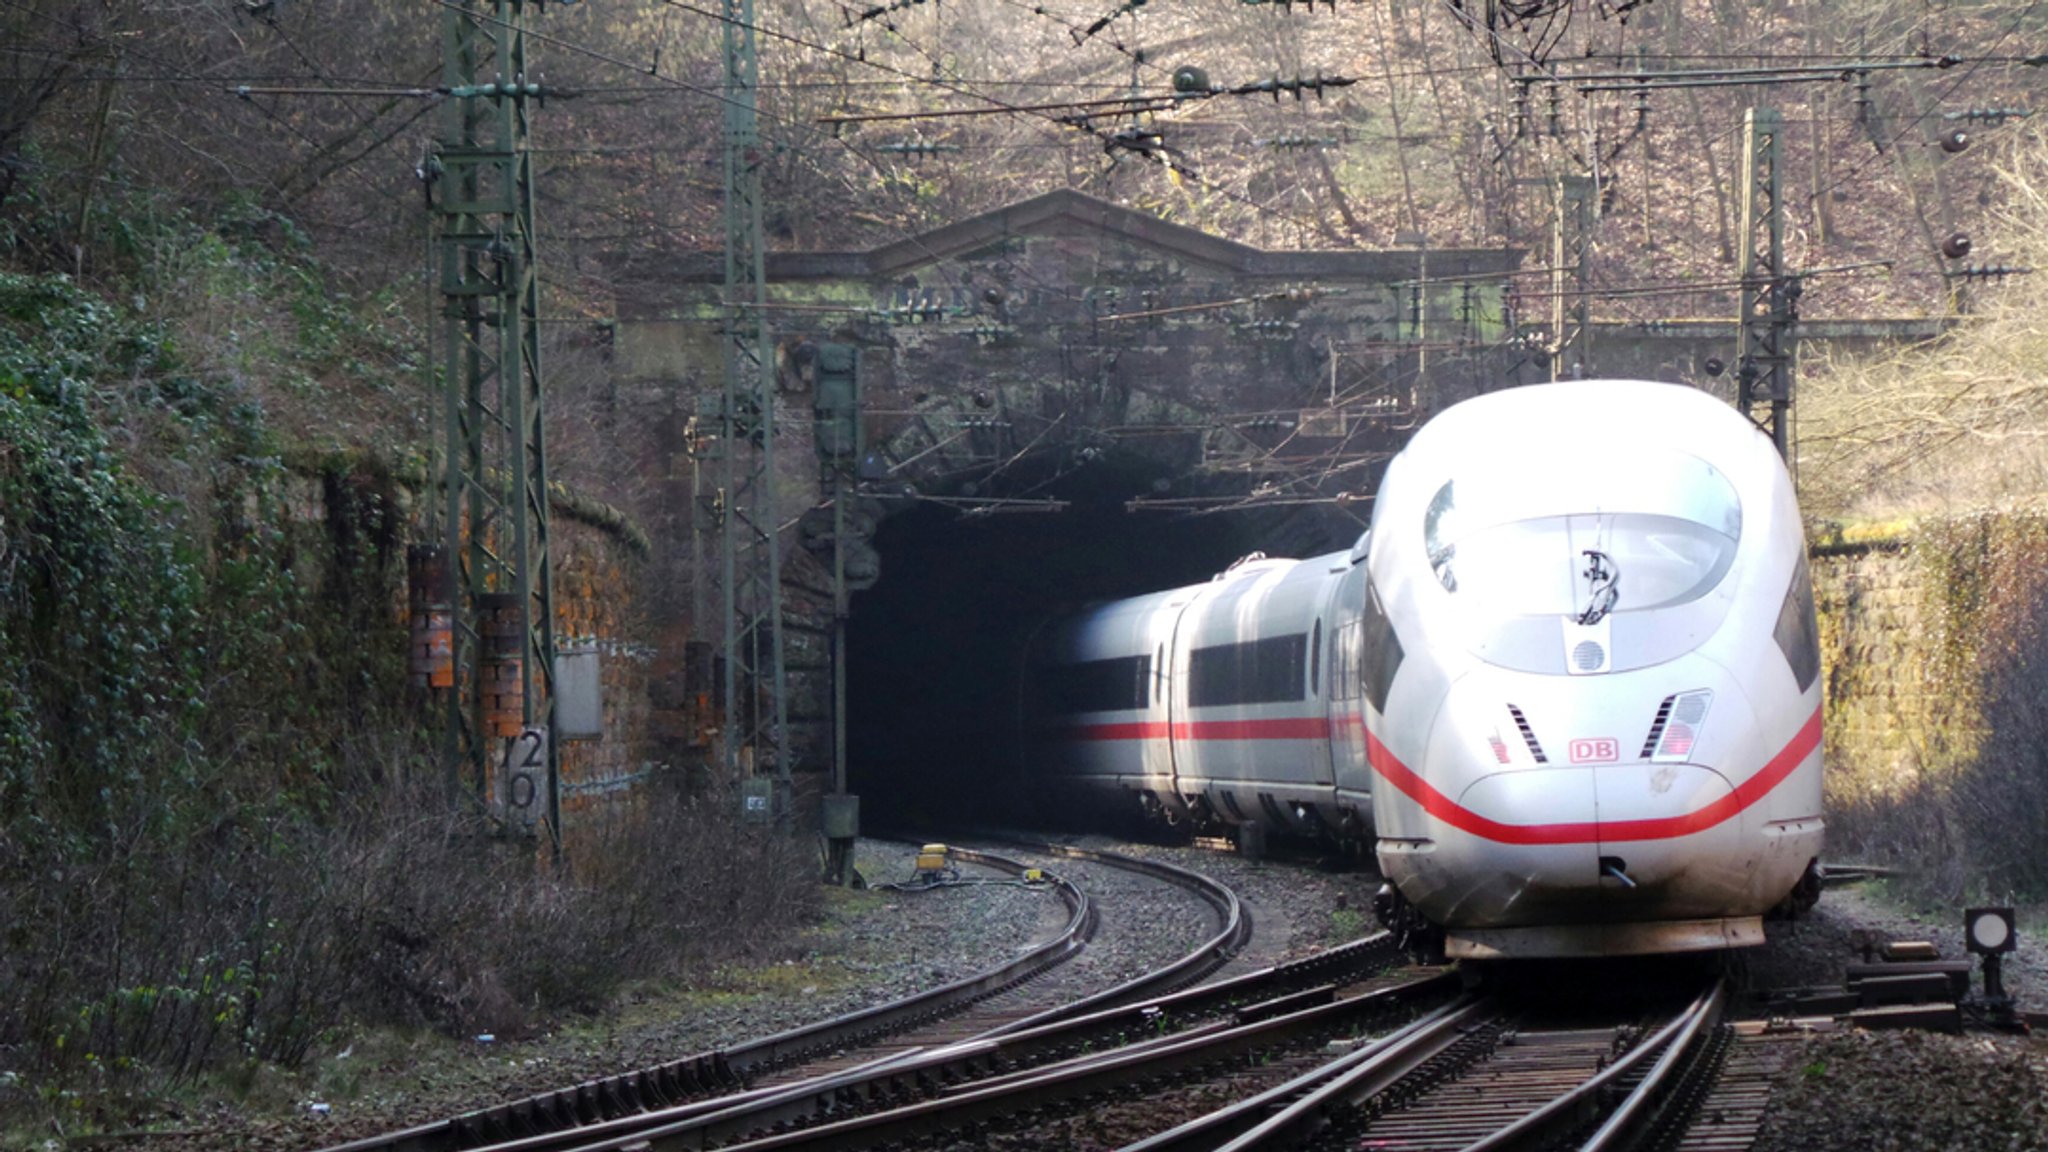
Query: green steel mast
[494,467]
[756,711]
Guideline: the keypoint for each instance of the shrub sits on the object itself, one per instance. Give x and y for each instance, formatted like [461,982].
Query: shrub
[222,833]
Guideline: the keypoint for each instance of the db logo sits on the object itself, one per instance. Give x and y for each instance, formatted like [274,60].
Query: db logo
[1595,751]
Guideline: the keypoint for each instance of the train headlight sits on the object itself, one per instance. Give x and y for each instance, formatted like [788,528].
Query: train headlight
[1676,730]
[1989,931]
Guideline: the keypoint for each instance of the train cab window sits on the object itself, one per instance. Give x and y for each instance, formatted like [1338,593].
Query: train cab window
[1380,652]
[1315,660]
[1158,673]
[1516,542]
[1797,634]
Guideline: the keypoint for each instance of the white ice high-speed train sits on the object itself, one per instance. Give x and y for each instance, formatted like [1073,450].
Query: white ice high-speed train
[1567,684]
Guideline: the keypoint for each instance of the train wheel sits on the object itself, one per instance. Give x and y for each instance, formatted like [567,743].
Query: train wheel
[1156,823]
[1420,939]
[1803,897]
[1251,840]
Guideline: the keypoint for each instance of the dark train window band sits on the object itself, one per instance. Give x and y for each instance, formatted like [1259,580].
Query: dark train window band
[1797,633]
[1269,671]
[1382,655]
[1118,685]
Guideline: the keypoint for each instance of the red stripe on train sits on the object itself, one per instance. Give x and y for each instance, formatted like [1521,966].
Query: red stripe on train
[1464,819]
[1281,728]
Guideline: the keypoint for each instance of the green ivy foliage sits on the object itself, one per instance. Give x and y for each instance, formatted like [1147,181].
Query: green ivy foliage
[96,602]
[191,674]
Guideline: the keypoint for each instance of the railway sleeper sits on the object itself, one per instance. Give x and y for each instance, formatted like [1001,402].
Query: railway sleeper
[1689,1099]
[1475,1047]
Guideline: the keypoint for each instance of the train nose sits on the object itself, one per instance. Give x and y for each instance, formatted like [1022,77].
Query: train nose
[1601,842]
[1568,824]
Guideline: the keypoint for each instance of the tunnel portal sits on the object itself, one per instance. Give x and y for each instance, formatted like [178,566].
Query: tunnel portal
[1060,349]
[935,647]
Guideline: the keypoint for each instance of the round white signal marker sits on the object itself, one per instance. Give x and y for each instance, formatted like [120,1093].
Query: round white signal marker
[1989,930]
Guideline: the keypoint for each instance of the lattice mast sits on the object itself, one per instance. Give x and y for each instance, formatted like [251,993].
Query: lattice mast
[756,712]
[494,466]
[1769,296]
[1571,331]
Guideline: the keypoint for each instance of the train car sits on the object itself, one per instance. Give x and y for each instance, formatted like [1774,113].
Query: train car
[1205,704]
[1566,686]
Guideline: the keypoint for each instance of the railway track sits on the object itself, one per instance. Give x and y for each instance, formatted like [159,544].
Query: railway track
[1479,1073]
[1057,993]
[1293,1022]
[1488,1075]
[1345,1049]
[751,1080]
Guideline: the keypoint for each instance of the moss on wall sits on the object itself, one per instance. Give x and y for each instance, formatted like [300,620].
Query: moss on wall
[1937,696]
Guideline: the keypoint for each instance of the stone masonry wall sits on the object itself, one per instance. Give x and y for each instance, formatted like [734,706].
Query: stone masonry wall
[1937,711]
[598,606]
[1927,634]
[601,592]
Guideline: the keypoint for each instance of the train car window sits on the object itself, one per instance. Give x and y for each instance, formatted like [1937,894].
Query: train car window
[1159,673]
[1797,634]
[1315,660]
[1381,653]
[1117,685]
[1257,672]
[1344,647]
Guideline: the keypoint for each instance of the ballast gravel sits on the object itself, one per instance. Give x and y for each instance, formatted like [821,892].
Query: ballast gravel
[1902,1091]
[1841,1088]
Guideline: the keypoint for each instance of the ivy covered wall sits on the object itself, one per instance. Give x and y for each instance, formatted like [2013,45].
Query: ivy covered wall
[1937,697]
[211,767]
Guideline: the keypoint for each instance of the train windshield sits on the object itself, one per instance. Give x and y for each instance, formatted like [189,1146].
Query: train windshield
[1628,532]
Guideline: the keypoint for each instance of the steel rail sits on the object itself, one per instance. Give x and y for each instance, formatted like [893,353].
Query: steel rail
[1666,1080]
[1361,1081]
[1205,958]
[1266,992]
[1081,1076]
[1583,1104]
[650,1097]
[915,1073]
[1392,1056]
[1251,997]
[1308,1104]
[632,1095]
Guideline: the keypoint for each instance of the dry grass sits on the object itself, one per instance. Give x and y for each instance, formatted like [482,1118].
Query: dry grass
[1958,424]
[1947,444]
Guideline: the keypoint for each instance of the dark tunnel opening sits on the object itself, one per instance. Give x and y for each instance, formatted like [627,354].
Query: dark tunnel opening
[935,648]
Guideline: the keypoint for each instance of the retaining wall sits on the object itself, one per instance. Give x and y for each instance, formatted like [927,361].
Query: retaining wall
[1929,633]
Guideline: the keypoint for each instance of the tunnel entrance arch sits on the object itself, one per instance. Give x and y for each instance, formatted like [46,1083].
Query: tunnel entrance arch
[936,645]
[1046,384]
